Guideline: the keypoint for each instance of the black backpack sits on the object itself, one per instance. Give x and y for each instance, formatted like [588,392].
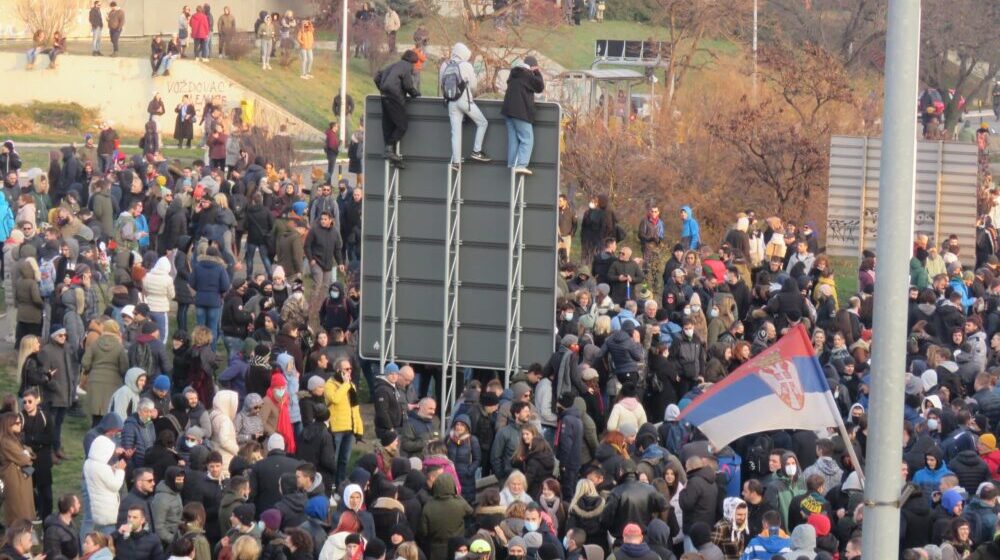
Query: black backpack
[140,355]
[755,465]
[452,84]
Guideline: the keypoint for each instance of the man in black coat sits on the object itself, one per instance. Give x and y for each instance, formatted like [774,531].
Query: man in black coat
[140,496]
[134,539]
[698,499]
[259,224]
[569,444]
[324,249]
[175,223]
[524,82]
[60,537]
[265,474]
[624,275]
[631,501]
[395,83]
[389,412]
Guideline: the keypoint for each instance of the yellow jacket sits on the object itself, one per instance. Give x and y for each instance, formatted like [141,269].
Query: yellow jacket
[343,416]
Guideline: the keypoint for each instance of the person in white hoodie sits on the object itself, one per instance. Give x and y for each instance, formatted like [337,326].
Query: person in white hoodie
[158,287]
[104,482]
[458,83]
[223,416]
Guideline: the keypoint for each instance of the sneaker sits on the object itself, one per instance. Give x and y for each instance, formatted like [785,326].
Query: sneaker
[455,166]
[392,156]
[522,170]
[480,156]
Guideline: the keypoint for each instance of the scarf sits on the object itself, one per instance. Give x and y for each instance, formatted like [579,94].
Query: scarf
[284,426]
[260,361]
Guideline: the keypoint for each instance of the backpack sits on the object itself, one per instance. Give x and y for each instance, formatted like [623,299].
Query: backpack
[452,84]
[141,356]
[757,457]
[47,286]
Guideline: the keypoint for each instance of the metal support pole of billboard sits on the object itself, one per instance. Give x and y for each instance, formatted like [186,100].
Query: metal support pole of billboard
[453,242]
[390,244]
[515,244]
[755,49]
[343,73]
[895,227]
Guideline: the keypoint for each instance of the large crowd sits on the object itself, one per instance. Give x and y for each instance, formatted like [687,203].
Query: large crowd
[239,435]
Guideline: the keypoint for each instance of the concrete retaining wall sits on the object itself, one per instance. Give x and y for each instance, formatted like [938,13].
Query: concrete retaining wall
[121,88]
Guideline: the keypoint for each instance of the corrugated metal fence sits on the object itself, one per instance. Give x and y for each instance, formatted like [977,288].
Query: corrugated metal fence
[945,193]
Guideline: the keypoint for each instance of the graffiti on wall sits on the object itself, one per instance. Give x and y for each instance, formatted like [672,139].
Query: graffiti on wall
[846,230]
[202,91]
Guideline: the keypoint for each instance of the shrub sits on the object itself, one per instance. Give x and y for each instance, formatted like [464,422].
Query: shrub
[239,46]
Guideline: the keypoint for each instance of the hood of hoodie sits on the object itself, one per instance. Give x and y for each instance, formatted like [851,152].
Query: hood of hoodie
[162,266]
[630,403]
[461,52]
[74,248]
[687,209]
[464,419]
[672,412]
[827,466]
[804,538]
[132,379]
[251,400]
[444,487]
[295,502]
[227,402]
[102,449]
[658,534]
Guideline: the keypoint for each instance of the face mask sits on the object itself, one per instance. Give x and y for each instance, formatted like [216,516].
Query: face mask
[688,332]
[695,308]
[713,313]
[191,442]
[530,526]
[279,393]
[592,205]
[566,542]
[459,556]
[932,424]
[147,420]
[687,310]
[790,470]
[334,294]
[569,316]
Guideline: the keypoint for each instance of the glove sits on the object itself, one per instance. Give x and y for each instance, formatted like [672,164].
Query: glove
[358,438]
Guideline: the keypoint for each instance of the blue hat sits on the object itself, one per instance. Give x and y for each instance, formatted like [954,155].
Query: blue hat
[391,367]
[317,507]
[161,383]
[950,499]
[299,207]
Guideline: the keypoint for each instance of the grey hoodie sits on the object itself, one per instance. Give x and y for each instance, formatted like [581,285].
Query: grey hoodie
[248,424]
[803,543]
[461,54]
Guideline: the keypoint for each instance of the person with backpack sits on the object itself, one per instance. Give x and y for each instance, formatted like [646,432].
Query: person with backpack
[458,82]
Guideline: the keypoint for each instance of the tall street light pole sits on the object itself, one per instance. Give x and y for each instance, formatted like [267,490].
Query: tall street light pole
[343,73]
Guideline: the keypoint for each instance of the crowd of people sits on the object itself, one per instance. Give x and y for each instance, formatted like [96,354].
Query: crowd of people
[239,435]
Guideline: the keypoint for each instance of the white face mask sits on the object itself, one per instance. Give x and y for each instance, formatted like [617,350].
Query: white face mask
[687,310]
[592,205]
[790,470]
[932,424]
[713,313]
[569,316]
[689,332]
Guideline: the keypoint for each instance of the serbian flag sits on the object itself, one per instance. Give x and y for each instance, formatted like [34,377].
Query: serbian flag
[783,387]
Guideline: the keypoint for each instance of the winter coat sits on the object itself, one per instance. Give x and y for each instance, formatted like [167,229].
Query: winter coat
[264,476]
[781,491]
[345,416]
[209,281]
[389,412]
[442,519]
[466,455]
[970,469]
[167,508]
[698,500]
[248,424]
[158,287]
[138,437]
[416,432]
[632,502]
[828,469]
[626,411]
[27,296]
[223,415]
[316,446]
[103,482]
[324,246]
[60,391]
[569,441]
[135,499]
[139,544]
[537,467]
[19,502]
[519,100]
[623,352]
[104,362]
[125,400]
[395,81]
[59,538]
[585,514]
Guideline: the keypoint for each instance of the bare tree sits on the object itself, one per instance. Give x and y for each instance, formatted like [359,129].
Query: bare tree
[852,30]
[48,15]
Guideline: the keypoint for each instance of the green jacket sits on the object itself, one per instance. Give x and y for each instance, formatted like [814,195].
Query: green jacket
[918,274]
[442,518]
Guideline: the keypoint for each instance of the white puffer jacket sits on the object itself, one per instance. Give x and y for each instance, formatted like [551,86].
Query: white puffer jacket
[158,286]
[103,481]
[223,414]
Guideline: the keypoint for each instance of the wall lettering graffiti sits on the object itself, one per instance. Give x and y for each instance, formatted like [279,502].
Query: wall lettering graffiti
[923,222]
[845,231]
[201,91]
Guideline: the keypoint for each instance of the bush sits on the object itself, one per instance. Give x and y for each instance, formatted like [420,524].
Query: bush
[29,118]
[239,46]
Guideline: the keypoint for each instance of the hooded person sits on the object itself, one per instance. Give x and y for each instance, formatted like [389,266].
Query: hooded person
[248,424]
[125,400]
[690,230]
[223,416]
[803,543]
[458,85]
[465,454]
[442,518]
[167,505]
[275,413]
[395,84]
[732,533]
[353,499]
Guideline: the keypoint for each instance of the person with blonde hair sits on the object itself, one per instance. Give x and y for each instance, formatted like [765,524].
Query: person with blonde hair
[515,489]
[585,511]
[29,366]
[246,548]
[101,370]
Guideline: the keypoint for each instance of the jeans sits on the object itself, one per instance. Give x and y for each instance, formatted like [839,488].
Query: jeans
[32,55]
[199,48]
[163,325]
[307,61]
[520,140]
[457,111]
[343,441]
[208,46]
[234,344]
[209,317]
[265,51]
[165,63]
[115,35]
[57,414]
[331,161]
[95,43]
[251,249]
[182,316]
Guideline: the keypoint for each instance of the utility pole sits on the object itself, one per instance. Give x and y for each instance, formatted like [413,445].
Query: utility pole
[895,227]
[755,50]
[343,72]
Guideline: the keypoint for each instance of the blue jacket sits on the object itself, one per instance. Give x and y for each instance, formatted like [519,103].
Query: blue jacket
[929,480]
[764,547]
[142,225]
[690,230]
[138,436]
[958,285]
[623,315]
[209,281]
[569,448]
[6,219]
[466,455]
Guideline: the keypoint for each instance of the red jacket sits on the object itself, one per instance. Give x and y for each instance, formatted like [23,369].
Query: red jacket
[199,26]
[993,462]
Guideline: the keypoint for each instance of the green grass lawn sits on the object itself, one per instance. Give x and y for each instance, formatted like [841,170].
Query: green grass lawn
[39,157]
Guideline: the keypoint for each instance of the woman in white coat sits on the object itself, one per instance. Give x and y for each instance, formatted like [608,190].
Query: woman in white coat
[104,483]
[223,415]
[158,287]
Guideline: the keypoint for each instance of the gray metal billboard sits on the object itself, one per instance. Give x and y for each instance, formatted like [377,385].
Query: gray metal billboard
[408,231]
[945,193]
